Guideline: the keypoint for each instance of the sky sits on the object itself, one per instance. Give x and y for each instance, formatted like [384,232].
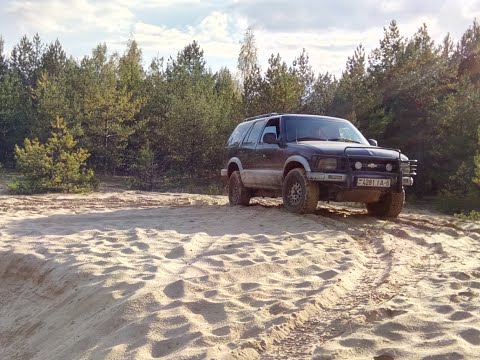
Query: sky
[328,30]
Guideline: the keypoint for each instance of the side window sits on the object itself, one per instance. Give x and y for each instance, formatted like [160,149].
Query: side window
[254,135]
[238,134]
[273,126]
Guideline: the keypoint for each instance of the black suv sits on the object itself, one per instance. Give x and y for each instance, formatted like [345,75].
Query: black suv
[307,158]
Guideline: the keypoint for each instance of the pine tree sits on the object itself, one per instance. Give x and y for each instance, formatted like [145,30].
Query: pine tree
[108,110]
[146,169]
[476,179]
[54,59]
[303,71]
[190,122]
[3,60]
[53,166]
[132,79]
[282,89]
[26,59]
[252,93]
[14,115]
[321,98]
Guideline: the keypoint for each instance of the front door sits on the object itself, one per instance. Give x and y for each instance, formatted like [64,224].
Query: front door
[249,157]
[270,164]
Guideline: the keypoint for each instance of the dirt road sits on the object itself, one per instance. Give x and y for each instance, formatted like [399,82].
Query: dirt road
[138,275]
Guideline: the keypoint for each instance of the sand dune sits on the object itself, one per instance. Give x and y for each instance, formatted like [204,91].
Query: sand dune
[135,275]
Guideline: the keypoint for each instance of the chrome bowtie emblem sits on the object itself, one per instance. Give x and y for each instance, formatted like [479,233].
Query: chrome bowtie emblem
[371,165]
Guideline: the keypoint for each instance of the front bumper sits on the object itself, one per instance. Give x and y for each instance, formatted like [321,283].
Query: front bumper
[330,177]
[347,174]
[349,180]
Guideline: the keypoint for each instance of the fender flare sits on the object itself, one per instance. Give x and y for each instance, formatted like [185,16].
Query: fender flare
[236,161]
[300,159]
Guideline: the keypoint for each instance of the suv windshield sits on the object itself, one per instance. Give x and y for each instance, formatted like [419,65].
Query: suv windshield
[312,128]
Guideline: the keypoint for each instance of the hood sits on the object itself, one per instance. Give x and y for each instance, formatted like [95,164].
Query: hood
[338,148]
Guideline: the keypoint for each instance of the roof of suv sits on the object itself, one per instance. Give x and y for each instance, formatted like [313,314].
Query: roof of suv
[264,116]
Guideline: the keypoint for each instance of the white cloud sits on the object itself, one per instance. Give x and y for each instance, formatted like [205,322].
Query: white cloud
[160,3]
[75,16]
[211,33]
[329,31]
[215,26]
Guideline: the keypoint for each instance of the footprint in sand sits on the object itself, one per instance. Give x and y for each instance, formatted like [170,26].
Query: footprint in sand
[294,252]
[472,336]
[141,245]
[383,357]
[150,268]
[449,356]
[128,251]
[169,346]
[460,275]
[358,343]
[175,290]
[176,253]
[223,331]
[329,274]
[249,286]
[115,268]
[444,309]
[460,315]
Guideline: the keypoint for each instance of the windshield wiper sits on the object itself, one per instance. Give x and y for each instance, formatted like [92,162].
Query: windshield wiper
[310,138]
[345,140]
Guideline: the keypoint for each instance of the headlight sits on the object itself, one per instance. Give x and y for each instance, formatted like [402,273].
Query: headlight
[389,167]
[327,164]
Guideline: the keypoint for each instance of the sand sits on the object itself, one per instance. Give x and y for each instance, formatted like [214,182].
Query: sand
[132,275]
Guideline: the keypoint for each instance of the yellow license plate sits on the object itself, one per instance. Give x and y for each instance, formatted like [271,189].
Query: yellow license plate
[373,182]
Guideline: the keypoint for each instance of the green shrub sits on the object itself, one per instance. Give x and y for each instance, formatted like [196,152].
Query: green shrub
[460,195]
[23,187]
[54,166]
[473,216]
[146,170]
[451,205]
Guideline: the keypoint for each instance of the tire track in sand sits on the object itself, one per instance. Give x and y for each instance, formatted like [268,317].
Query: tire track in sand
[380,280]
[333,320]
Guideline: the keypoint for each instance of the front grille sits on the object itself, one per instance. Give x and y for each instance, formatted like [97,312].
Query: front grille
[374,165]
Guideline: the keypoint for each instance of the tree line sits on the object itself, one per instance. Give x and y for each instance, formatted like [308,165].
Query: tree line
[172,118]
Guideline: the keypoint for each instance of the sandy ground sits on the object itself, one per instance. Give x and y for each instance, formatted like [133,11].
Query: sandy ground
[130,275]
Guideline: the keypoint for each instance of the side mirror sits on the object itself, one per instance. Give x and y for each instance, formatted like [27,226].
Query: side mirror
[373,142]
[270,138]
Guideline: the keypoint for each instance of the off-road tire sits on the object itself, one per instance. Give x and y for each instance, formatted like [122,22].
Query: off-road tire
[237,193]
[300,195]
[389,206]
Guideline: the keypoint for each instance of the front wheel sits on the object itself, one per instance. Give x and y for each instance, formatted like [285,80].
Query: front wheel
[389,206]
[237,193]
[299,194]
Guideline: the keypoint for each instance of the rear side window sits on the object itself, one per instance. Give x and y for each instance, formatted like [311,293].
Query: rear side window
[238,134]
[254,135]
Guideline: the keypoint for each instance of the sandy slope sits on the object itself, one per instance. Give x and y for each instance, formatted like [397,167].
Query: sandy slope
[138,276]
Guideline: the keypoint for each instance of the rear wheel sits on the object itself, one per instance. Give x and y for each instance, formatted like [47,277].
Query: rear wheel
[389,206]
[299,194]
[237,193]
